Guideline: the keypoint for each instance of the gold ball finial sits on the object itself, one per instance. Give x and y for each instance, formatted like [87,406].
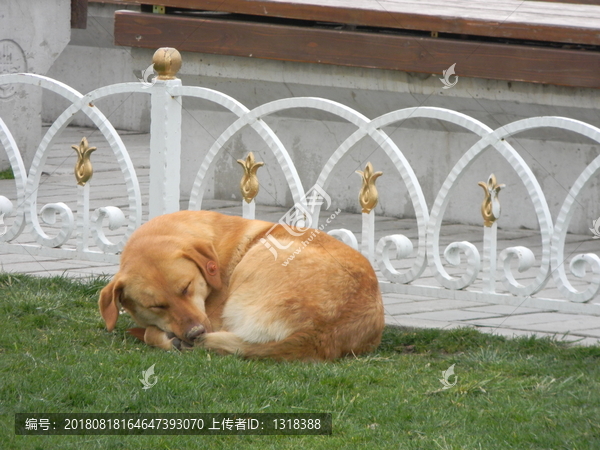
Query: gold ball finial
[167,62]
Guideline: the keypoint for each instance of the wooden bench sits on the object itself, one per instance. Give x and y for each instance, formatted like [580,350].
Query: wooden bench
[532,41]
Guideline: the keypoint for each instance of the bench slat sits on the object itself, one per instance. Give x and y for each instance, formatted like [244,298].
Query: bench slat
[374,50]
[515,19]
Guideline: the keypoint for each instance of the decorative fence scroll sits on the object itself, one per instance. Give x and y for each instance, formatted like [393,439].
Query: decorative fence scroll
[478,282]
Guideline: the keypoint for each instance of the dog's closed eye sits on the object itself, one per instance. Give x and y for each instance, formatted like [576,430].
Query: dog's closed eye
[159,307]
[186,289]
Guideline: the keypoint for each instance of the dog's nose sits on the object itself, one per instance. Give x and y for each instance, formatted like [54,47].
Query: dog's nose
[195,332]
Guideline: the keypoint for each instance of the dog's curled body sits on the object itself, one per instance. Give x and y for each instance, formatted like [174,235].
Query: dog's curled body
[200,278]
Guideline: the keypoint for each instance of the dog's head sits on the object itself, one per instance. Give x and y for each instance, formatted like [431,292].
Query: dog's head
[163,282]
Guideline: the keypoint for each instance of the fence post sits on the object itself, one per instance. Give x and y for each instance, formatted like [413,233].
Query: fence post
[165,134]
[490,210]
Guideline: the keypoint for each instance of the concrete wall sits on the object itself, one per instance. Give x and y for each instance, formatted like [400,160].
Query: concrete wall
[33,33]
[433,147]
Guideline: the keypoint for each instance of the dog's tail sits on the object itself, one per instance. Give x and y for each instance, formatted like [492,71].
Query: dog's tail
[301,346]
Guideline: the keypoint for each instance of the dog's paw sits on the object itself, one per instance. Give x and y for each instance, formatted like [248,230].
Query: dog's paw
[138,333]
[178,343]
[201,341]
[222,342]
[158,338]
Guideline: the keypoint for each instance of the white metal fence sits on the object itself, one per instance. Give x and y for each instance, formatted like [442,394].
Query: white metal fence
[402,262]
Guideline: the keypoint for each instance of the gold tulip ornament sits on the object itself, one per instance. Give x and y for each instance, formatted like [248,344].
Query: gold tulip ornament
[83,166]
[368,195]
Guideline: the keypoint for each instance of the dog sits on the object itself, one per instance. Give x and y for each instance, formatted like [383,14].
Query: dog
[205,279]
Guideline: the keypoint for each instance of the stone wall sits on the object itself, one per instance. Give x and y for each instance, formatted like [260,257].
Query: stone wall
[33,34]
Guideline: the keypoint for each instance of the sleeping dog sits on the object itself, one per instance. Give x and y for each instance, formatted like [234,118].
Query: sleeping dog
[200,278]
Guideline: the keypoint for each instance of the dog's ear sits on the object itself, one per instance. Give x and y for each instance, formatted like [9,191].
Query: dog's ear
[108,303]
[204,255]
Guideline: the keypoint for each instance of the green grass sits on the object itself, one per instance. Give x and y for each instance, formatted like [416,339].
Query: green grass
[7,174]
[55,356]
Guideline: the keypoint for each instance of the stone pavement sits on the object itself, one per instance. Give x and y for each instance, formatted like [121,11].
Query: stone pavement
[401,310]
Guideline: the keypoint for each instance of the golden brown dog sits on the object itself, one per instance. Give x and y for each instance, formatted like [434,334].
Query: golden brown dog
[200,278]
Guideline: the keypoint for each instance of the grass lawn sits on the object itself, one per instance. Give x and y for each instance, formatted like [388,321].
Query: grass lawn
[7,174]
[56,356]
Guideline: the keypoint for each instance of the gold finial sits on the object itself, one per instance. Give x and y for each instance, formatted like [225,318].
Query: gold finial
[83,166]
[167,62]
[490,208]
[368,196]
[249,184]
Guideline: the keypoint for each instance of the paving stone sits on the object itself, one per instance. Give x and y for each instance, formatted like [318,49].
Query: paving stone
[388,299]
[407,321]
[41,266]
[93,271]
[506,310]
[512,333]
[427,306]
[452,315]
[17,257]
[587,341]
[519,320]
[403,298]
[592,333]
[564,326]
